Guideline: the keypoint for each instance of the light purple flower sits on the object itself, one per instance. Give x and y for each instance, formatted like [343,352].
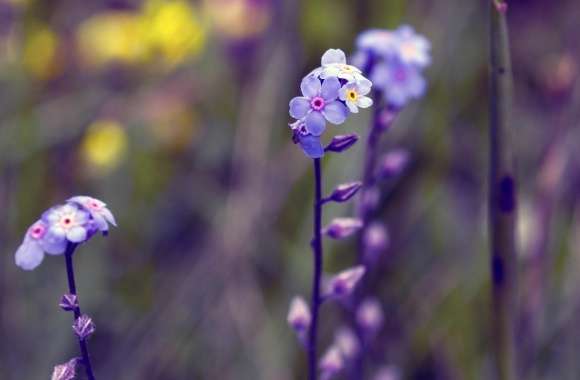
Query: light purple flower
[413,48]
[381,42]
[31,252]
[334,65]
[98,211]
[69,222]
[311,145]
[347,342]
[65,371]
[388,373]
[369,315]
[318,104]
[375,240]
[299,317]
[398,82]
[393,163]
[331,363]
[353,94]
[343,283]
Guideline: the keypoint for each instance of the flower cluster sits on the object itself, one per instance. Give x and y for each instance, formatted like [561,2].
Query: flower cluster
[394,60]
[329,94]
[75,221]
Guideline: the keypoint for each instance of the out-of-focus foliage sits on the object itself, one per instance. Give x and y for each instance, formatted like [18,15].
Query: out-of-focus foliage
[175,113]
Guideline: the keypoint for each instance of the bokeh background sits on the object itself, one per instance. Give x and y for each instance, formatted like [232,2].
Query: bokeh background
[175,114]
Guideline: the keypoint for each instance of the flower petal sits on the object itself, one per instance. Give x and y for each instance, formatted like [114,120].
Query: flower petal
[299,107]
[364,86]
[29,255]
[310,86]
[311,146]
[108,215]
[364,102]
[330,88]
[352,106]
[333,56]
[53,244]
[77,235]
[315,123]
[335,112]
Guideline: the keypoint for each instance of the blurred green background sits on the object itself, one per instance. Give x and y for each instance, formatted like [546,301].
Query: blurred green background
[175,114]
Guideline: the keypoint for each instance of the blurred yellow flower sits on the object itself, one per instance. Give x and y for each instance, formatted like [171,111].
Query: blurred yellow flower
[104,144]
[39,53]
[114,36]
[174,28]
[238,19]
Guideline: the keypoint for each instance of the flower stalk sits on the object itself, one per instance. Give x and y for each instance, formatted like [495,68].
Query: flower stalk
[502,197]
[317,275]
[68,254]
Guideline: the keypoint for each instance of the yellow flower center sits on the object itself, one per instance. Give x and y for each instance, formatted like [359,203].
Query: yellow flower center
[352,95]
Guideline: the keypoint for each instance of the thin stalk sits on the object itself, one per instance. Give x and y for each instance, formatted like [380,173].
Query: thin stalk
[317,251]
[502,197]
[72,288]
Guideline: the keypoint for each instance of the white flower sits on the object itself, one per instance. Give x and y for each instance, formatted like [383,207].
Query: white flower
[68,222]
[334,65]
[353,94]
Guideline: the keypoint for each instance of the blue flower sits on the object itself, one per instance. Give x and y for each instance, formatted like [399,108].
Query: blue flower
[76,221]
[310,144]
[318,104]
[398,82]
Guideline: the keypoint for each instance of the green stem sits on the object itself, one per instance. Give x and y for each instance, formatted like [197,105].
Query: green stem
[502,197]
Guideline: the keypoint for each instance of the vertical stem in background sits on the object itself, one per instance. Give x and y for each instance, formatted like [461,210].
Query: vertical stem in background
[317,251]
[72,288]
[502,197]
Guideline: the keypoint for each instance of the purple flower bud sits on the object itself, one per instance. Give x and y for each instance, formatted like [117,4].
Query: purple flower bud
[340,228]
[375,241]
[343,283]
[69,302]
[65,371]
[347,343]
[386,118]
[369,315]
[393,163]
[344,192]
[369,199]
[340,143]
[299,314]
[388,373]
[331,363]
[84,326]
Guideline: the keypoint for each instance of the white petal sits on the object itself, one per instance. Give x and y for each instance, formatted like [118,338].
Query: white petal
[100,222]
[364,102]
[352,106]
[53,244]
[29,255]
[77,235]
[109,216]
[333,56]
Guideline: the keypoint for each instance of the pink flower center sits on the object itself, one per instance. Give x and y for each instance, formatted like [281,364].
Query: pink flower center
[317,103]
[94,205]
[37,231]
[66,222]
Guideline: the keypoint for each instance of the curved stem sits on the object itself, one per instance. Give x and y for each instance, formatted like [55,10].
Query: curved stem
[72,288]
[317,251]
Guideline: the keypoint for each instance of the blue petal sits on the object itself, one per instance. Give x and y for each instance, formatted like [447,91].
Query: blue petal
[29,255]
[335,112]
[330,88]
[315,123]
[299,107]
[311,146]
[310,86]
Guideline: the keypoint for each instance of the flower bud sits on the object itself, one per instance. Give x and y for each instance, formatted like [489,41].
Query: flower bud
[84,327]
[331,363]
[347,342]
[69,302]
[386,118]
[344,192]
[375,241]
[340,143]
[299,314]
[343,283]
[393,163]
[369,315]
[65,371]
[340,228]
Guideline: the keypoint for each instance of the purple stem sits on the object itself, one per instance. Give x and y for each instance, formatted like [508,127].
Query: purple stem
[72,288]
[317,250]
